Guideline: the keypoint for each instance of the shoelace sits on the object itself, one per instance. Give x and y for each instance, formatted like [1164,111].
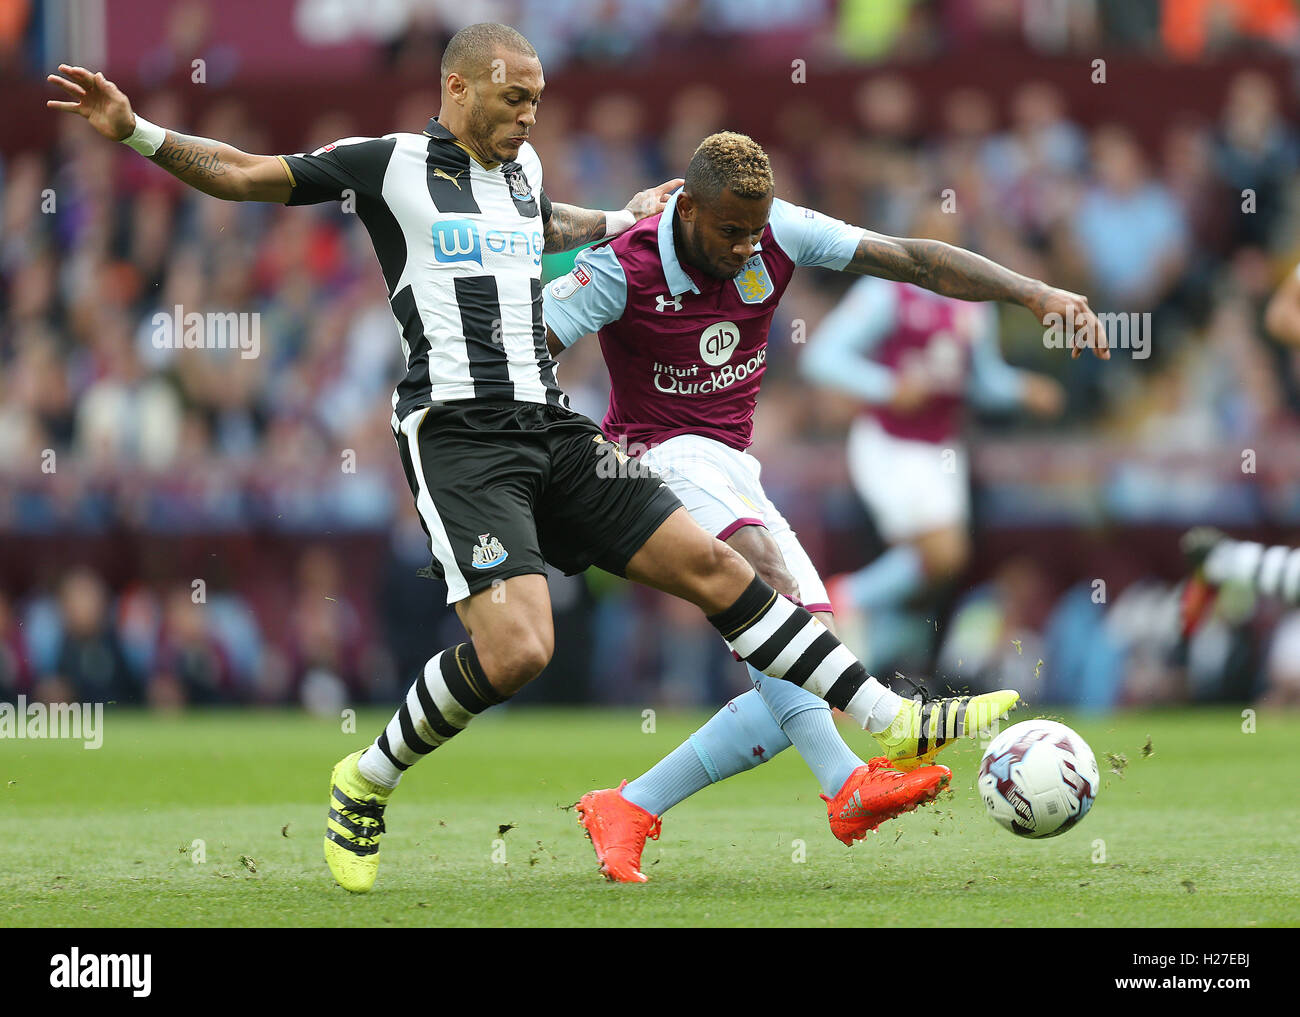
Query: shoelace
[367,815]
[375,830]
[918,688]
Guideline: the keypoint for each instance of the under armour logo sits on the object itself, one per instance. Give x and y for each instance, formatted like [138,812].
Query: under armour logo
[663,303]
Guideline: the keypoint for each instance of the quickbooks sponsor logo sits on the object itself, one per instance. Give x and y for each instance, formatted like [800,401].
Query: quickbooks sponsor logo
[688,380]
[459,240]
[718,342]
[74,970]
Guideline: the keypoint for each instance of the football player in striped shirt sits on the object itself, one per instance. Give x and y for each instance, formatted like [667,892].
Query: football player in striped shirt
[1217,560]
[505,476]
[682,304]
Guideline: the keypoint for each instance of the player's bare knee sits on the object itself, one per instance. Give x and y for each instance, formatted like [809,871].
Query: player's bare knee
[722,561]
[757,547]
[511,662]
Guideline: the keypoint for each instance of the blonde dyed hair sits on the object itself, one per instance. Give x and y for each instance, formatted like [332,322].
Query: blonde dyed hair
[732,162]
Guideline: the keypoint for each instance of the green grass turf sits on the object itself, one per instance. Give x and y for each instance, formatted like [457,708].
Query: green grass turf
[1201,833]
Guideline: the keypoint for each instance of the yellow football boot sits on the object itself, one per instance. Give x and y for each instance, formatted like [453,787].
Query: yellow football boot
[922,728]
[352,831]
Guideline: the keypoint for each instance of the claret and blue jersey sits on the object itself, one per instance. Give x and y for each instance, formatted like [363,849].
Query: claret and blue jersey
[685,351]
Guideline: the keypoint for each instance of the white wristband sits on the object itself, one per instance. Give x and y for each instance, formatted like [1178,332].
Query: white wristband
[617,222]
[147,138]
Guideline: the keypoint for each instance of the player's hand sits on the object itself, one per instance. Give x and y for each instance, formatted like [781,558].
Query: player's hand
[97,99]
[1043,396]
[651,202]
[1061,309]
[910,393]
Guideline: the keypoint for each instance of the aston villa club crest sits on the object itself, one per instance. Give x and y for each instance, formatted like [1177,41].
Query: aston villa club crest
[489,552]
[753,282]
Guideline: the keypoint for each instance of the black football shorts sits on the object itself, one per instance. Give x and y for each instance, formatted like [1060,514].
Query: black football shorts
[502,488]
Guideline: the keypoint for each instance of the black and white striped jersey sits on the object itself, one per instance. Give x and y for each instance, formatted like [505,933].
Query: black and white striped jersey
[460,246]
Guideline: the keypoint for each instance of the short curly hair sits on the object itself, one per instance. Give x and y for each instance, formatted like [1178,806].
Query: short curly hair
[729,161]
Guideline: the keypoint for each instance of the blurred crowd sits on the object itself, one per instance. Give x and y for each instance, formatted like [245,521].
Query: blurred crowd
[410,34]
[104,428]
[97,243]
[612,31]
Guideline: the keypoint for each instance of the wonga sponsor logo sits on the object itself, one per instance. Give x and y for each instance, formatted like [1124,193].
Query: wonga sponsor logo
[456,240]
[459,240]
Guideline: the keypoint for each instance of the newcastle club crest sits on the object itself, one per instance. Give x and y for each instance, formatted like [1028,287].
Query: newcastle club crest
[489,552]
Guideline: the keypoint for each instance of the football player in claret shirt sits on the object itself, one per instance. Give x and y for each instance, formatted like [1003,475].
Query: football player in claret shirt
[682,304]
[505,476]
[916,360]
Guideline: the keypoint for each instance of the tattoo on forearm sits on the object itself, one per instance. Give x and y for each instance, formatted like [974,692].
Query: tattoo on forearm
[947,270]
[571,226]
[194,160]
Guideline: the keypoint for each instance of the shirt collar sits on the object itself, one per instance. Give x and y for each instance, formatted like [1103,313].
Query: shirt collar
[436,130]
[674,273]
[680,279]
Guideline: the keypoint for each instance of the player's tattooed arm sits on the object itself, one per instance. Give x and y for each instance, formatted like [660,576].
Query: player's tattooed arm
[965,275]
[209,166]
[223,171]
[570,227]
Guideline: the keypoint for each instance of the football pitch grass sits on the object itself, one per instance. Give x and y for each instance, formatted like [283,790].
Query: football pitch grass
[216,819]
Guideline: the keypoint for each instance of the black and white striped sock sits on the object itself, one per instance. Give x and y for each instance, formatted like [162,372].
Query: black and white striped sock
[1272,571]
[781,639]
[450,692]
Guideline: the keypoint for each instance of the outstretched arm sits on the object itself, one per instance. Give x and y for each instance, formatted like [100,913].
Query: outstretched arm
[209,166]
[570,226]
[955,272]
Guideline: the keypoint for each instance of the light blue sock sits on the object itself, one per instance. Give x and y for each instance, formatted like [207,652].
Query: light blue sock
[808,723]
[736,738]
[887,581]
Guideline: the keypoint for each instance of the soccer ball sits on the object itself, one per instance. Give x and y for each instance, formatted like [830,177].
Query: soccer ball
[1038,778]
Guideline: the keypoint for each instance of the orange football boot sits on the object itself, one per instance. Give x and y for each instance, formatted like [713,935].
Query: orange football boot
[1195,600]
[617,829]
[876,792]
[1198,594]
